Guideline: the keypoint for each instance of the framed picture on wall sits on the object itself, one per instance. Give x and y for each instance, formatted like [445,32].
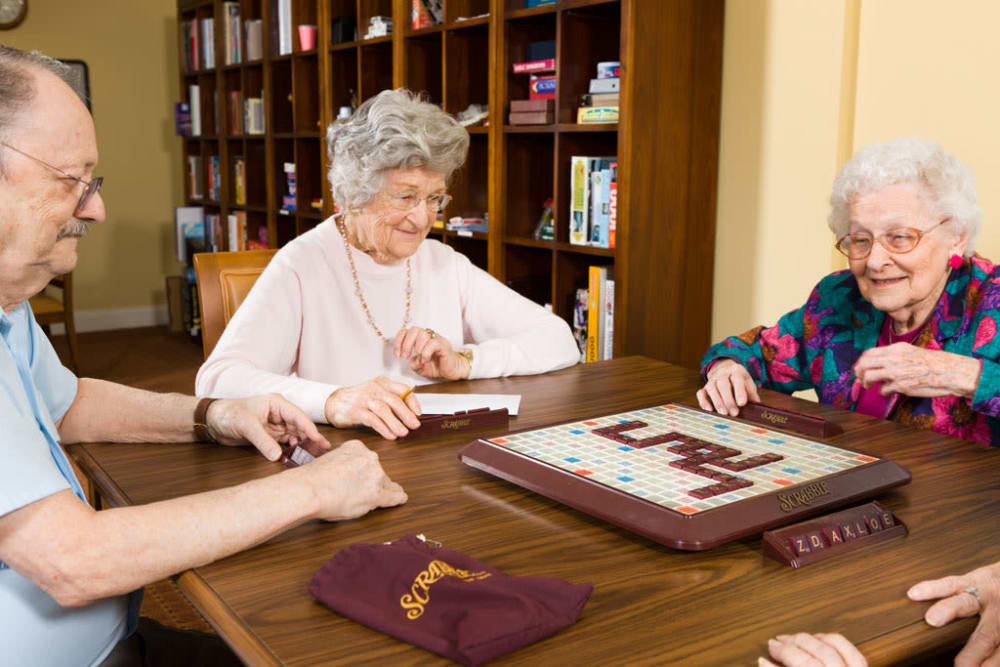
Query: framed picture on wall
[80,79]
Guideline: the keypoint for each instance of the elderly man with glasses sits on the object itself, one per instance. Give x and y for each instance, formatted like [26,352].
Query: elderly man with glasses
[70,576]
[908,333]
[352,313]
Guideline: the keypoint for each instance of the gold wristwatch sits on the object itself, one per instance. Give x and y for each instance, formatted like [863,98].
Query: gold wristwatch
[468,357]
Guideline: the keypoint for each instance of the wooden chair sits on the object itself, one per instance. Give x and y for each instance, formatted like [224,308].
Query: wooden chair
[50,310]
[224,280]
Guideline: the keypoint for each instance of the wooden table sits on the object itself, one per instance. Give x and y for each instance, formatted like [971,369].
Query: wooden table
[650,604]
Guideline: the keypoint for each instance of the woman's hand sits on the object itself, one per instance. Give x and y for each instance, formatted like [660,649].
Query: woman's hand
[430,354]
[958,601]
[376,404]
[916,371]
[806,650]
[729,387]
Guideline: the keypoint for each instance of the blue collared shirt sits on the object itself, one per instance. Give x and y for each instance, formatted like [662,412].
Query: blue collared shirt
[36,390]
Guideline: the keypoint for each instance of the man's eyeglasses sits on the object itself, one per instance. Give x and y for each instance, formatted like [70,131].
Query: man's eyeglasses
[899,241]
[90,187]
[405,202]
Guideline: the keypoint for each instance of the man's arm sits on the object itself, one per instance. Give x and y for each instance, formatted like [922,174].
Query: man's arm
[108,412]
[79,555]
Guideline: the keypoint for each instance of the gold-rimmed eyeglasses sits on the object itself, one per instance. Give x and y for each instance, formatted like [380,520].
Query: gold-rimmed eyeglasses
[90,187]
[407,201]
[898,241]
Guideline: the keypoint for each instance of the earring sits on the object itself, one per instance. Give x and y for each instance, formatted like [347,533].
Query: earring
[955,261]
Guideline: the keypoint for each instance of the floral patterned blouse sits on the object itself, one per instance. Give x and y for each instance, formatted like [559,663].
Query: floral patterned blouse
[816,346]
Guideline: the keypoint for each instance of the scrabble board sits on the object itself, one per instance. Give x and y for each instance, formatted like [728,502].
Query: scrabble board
[683,477]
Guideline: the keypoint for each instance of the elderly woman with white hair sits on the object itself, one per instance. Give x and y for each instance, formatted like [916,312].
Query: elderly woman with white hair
[350,314]
[908,333]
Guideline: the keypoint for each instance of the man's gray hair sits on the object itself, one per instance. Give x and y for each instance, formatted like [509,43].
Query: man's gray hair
[946,179]
[17,83]
[396,129]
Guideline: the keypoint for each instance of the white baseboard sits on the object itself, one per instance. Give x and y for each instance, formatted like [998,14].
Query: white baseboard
[116,318]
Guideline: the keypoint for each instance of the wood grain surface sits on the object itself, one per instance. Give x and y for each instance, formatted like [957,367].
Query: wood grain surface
[651,604]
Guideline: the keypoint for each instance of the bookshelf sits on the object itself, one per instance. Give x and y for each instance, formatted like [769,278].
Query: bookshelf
[666,141]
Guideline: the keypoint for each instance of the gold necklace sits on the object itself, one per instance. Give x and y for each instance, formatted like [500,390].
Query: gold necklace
[361,297]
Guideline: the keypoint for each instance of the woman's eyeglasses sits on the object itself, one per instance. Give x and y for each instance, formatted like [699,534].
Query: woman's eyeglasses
[900,240]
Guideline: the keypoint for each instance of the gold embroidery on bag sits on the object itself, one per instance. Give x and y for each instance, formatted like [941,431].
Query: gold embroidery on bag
[420,593]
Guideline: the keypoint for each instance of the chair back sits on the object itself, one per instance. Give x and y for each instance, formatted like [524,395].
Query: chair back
[224,280]
[50,310]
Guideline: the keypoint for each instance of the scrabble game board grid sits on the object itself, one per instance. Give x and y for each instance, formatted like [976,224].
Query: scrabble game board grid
[646,472]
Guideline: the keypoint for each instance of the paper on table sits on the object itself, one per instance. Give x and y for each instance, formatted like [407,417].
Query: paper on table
[449,404]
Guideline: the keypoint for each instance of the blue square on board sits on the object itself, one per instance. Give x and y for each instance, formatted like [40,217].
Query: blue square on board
[571,459]
[626,448]
[576,431]
[626,478]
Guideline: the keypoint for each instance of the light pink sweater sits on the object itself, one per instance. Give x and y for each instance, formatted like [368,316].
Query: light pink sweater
[301,331]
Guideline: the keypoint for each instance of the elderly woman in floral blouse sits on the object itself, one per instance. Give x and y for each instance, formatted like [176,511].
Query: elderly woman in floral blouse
[909,332]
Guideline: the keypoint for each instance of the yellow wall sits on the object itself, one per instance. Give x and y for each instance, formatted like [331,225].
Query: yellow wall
[130,46]
[923,68]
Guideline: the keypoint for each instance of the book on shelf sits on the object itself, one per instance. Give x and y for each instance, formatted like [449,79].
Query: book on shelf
[613,204]
[531,118]
[191,46]
[589,211]
[253,115]
[288,201]
[425,13]
[235,112]
[194,107]
[609,85]
[541,50]
[589,115]
[232,34]
[208,43]
[546,65]
[599,100]
[600,300]
[214,178]
[189,226]
[460,224]
[284,27]
[580,322]
[542,87]
[195,176]
[254,29]
[213,232]
[237,230]
[523,106]
[239,180]
[182,119]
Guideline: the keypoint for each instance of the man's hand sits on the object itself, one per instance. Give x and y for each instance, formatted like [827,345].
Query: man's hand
[349,482]
[262,421]
[376,404]
[957,601]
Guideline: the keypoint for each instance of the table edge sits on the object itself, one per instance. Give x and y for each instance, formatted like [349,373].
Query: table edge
[241,639]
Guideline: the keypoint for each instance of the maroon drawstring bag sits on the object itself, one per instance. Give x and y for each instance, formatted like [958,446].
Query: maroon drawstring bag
[445,601]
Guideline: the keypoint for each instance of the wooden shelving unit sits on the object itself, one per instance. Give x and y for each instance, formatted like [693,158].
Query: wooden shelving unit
[666,141]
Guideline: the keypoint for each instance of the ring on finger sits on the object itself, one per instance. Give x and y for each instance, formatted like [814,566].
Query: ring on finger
[974,592]
[430,332]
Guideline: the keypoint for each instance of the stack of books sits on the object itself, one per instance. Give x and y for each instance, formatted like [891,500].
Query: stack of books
[253,115]
[232,35]
[593,201]
[600,104]
[288,201]
[531,112]
[594,315]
